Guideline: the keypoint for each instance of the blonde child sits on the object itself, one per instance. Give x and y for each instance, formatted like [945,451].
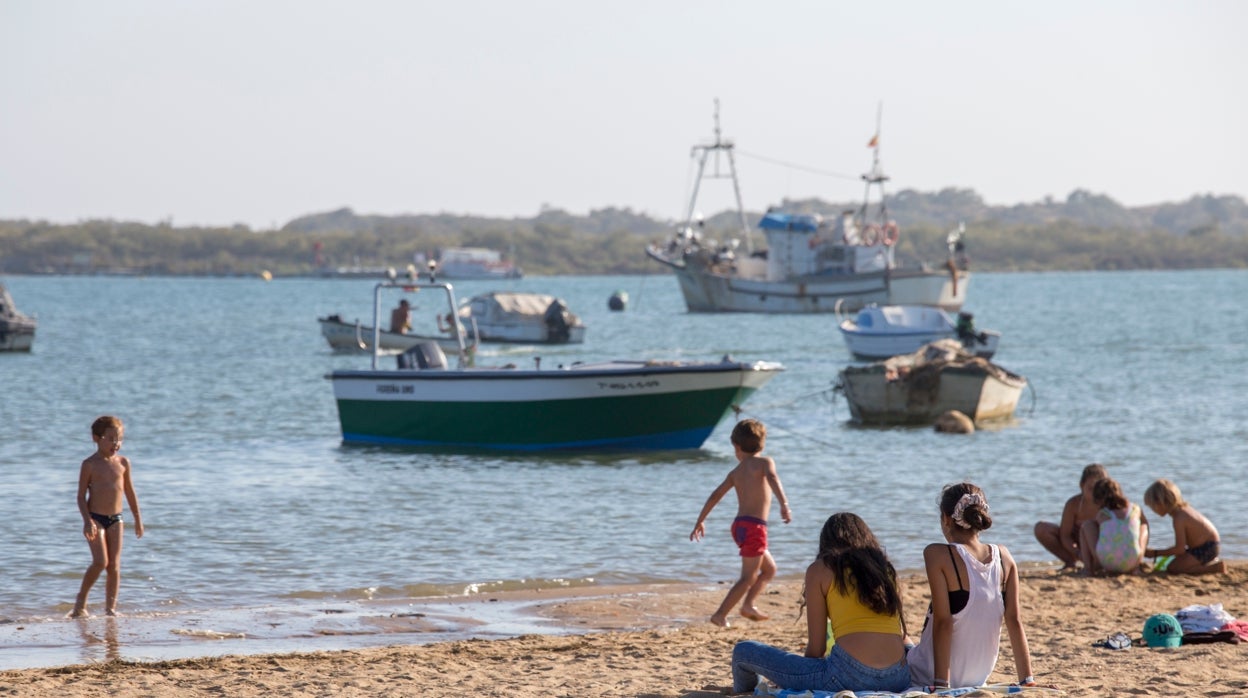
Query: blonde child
[1115,541]
[1196,541]
[103,481]
[755,480]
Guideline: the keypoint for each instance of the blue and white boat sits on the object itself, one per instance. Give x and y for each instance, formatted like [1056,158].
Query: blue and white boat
[881,331]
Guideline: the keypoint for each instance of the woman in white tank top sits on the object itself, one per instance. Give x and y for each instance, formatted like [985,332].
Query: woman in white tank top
[974,589]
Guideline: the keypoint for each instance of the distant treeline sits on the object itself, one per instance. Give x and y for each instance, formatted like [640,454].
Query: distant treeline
[1086,231]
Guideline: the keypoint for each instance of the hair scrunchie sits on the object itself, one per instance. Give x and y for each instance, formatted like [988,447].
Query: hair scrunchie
[969,499]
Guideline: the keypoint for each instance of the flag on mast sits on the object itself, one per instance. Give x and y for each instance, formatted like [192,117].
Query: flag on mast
[875,140]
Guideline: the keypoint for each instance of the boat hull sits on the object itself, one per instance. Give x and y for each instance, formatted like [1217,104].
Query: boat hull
[969,389]
[882,346]
[613,406]
[17,339]
[709,291]
[528,334]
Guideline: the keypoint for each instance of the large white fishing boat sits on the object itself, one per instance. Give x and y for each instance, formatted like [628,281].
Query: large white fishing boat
[810,263]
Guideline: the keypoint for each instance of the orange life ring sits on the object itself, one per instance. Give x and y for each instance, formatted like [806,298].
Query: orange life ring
[870,234]
[891,233]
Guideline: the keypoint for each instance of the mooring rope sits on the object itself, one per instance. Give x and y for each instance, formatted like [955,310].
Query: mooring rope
[756,413]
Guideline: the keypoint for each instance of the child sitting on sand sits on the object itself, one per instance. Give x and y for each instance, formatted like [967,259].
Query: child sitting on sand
[1062,538]
[1115,541]
[1196,541]
[755,480]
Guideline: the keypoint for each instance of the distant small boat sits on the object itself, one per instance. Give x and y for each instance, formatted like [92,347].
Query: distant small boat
[522,318]
[917,388]
[881,331]
[17,330]
[475,263]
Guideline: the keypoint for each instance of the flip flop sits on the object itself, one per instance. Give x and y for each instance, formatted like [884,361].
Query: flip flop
[1117,641]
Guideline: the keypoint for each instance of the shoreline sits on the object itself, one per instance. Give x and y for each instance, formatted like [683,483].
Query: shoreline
[652,640]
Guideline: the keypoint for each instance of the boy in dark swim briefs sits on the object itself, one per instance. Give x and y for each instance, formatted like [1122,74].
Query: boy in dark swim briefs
[1196,541]
[102,483]
[755,480]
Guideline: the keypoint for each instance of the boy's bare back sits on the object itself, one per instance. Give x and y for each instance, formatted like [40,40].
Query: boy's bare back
[754,478]
[1197,530]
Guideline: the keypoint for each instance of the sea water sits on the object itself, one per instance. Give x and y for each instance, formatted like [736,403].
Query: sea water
[250,500]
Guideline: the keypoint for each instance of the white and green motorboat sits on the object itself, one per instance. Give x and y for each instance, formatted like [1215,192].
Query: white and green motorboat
[617,405]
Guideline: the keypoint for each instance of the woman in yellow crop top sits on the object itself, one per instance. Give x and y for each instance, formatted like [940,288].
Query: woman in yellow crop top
[852,584]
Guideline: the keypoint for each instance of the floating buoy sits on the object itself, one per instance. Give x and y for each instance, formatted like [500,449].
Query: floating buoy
[266,274]
[618,300]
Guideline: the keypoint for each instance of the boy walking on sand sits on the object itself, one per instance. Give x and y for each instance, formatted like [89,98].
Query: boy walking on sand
[755,480]
[102,482]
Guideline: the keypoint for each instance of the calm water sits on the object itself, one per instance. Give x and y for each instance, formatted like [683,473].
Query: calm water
[249,498]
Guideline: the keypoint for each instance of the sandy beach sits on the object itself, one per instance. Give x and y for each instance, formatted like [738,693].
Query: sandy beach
[655,642]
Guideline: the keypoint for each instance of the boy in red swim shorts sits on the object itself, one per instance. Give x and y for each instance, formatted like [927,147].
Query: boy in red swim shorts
[755,480]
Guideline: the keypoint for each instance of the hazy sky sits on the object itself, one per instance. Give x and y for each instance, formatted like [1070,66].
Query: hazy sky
[255,111]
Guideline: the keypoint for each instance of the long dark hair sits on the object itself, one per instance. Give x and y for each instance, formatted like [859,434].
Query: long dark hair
[858,563]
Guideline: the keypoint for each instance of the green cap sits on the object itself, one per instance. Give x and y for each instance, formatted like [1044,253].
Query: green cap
[1163,630]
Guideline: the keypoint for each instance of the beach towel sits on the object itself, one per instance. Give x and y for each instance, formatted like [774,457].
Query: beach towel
[1239,627]
[766,688]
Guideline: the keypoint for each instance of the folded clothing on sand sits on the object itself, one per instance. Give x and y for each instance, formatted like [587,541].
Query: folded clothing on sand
[1199,618]
[1239,627]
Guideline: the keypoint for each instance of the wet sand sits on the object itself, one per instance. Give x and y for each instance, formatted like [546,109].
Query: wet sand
[650,641]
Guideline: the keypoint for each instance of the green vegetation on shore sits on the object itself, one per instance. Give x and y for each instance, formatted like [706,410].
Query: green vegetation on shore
[1084,232]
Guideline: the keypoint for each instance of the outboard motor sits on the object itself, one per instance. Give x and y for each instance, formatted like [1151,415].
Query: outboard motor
[422,356]
[558,322]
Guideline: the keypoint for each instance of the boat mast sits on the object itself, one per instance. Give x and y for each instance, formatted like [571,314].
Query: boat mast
[876,176]
[701,153]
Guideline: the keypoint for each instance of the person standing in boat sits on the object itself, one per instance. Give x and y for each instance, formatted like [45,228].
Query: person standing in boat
[401,317]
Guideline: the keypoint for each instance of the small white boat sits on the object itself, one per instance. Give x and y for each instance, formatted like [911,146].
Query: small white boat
[881,331]
[17,330]
[504,317]
[917,388]
[522,318]
[428,401]
[357,337]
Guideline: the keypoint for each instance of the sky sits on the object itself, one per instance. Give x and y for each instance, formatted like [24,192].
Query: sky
[256,112]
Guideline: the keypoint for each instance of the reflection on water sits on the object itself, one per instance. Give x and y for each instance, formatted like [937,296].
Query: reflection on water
[99,644]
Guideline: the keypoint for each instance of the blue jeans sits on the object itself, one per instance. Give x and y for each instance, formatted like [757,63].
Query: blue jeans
[836,672]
